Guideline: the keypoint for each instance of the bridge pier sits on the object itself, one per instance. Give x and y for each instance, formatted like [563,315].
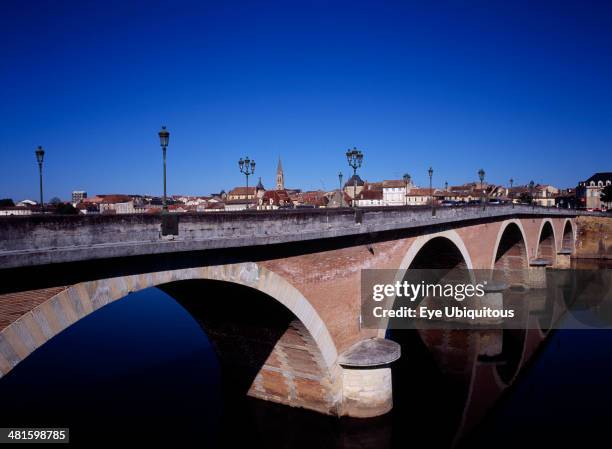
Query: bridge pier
[563,258]
[366,378]
[536,277]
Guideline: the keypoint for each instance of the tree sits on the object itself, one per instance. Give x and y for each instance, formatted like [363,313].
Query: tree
[66,209]
[525,198]
[606,194]
[6,202]
[55,201]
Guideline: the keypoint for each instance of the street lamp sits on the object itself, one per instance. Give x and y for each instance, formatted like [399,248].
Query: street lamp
[407,181]
[433,208]
[531,184]
[510,193]
[164,136]
[40,155]
[354,158]
[247,166]
[481,175]
[341,193]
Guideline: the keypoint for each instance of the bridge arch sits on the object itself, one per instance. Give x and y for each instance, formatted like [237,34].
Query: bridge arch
[33,329]
[568,237]
[546,244]
[426,248]
[450,240]
[510,250]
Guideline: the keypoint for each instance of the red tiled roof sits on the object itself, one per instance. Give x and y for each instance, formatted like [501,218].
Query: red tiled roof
[420,192]
[393,183]
[370,195]
[112,199]
[242,191]
[277,197]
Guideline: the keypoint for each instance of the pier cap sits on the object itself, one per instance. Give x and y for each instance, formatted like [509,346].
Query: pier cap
[372,352]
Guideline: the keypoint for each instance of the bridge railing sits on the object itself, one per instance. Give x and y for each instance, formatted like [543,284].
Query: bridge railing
[38,239]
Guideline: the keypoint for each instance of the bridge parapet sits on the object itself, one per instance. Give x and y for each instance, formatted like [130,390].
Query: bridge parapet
[36,240]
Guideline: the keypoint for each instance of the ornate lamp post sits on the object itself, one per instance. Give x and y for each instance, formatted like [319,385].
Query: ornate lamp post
[354,158]
[164,136]
[247,166]
[433,207]
[481,175]
[509,193]
[40,155]
[407,181]
[531,185]
[341,193]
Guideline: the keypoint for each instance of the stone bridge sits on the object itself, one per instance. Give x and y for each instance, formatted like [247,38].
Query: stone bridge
[310,352]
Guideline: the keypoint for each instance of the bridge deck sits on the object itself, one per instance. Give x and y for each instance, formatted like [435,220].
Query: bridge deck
[40,240]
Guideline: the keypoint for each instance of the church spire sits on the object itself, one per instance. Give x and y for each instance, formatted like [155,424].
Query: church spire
[280,177]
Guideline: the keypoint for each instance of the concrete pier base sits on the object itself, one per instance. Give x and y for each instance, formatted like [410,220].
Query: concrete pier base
[536,277]
[367,390]
[564,258]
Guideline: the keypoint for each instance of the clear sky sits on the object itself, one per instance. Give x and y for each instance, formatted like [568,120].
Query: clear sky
[521,89]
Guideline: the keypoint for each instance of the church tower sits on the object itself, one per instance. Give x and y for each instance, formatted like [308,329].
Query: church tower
[280,177]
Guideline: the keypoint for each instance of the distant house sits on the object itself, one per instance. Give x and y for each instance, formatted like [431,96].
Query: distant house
[419,196]
[15,210]
[117,204]
[566,199]
[274,199]
[369,198]
[338,198]
[588,193]
[241,193]
[314,198]
[394,192]
[353,186]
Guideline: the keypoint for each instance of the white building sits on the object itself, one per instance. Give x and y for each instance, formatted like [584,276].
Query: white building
[78,196]
[15,210]
[117,204]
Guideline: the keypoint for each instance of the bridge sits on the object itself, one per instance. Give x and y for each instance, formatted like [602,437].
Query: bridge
[308,349]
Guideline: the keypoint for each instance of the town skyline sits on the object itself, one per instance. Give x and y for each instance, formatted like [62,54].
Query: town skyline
[268,179]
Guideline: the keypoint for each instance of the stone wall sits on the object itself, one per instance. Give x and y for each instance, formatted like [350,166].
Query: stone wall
[594,238]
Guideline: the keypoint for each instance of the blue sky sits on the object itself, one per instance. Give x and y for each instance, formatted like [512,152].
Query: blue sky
[522,89]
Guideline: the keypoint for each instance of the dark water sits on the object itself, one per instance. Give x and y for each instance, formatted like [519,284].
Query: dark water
[143,369]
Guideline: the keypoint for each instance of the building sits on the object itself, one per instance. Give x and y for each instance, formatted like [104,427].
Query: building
[338,198]
[566,199]
[419,197]
[394,192]
[370,198]
[117,204]
[78,196]
[544,195]
[314,198]
[242,193]
[27,203]
[353,186]
[588,193]
[259,189]
[280,176]
[15,210]
[274,199]
[87,208]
